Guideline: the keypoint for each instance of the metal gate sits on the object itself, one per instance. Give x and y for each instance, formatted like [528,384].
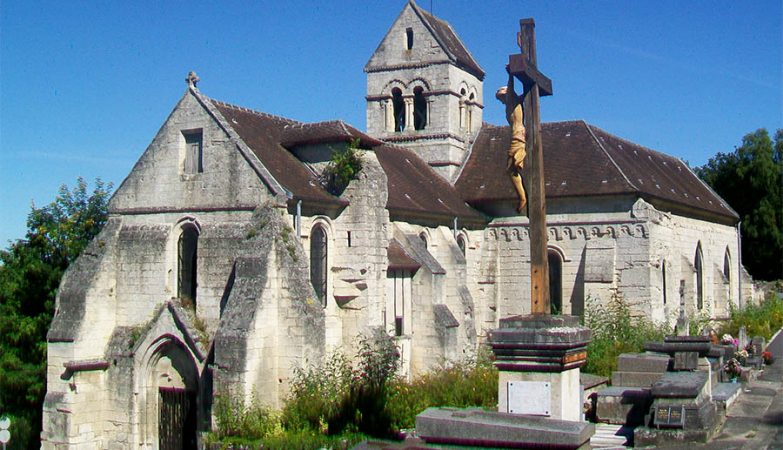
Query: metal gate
[177,420]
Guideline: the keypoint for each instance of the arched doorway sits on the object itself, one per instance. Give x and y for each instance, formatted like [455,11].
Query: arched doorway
[172,395]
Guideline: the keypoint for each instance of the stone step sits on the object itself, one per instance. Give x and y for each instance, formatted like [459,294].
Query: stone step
[608,436]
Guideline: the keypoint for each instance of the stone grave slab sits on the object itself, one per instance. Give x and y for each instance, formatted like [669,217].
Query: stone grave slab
[635,379]
[479,428]
[686,360]
[643,362]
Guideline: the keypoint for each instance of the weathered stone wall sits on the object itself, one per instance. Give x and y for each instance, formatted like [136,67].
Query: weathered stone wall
[674,240]
[610,254]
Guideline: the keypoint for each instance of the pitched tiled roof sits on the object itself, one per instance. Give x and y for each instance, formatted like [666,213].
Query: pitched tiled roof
[582,160]
[416,190]
[263,134]
[323,132]
[450,42]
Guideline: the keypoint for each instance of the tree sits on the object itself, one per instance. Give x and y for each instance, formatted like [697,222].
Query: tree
[750,179]
[30,273]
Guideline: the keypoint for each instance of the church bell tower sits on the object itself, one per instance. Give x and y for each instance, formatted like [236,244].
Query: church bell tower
[425,90]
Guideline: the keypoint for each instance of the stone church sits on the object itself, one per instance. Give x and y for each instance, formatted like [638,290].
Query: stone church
[225,262]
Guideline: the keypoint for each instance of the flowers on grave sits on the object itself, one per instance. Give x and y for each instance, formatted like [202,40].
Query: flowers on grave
[733,368]
[727,339]
[741,356]
[767,357]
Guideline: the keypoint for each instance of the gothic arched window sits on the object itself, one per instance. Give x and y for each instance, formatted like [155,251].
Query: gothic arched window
[727,270]
[461,244]
[419,109]
[555,281]
[318,262]
[699,265]
[187,255]
[399,109]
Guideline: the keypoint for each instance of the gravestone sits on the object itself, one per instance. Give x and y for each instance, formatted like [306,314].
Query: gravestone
[743,338]
[683,326]
[682,410]
[640,369]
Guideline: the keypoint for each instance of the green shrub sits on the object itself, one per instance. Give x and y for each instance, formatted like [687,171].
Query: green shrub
[616,331]
[364,407]
[763,319]
[236,419]
[468,383]
[316,393]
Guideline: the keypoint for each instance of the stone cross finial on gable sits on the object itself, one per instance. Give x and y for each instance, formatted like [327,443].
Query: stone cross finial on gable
[192,79]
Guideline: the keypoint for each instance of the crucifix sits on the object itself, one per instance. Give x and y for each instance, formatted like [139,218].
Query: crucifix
[523,67]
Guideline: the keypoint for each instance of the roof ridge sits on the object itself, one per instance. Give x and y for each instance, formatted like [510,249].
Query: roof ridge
[601,146]
[253,111]
[657,152]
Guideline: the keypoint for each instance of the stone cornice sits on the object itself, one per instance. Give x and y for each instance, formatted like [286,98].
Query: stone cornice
[571,230]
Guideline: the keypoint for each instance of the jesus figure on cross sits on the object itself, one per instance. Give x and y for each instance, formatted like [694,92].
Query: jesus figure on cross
[515,114]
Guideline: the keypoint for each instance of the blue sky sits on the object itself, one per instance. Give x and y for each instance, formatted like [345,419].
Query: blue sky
[84,86]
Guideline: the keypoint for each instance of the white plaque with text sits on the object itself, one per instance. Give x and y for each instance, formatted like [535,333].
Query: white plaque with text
[529,397]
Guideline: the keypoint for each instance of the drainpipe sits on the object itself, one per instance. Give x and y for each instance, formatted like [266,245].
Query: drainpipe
[455,228]
[739,259]
[299,219]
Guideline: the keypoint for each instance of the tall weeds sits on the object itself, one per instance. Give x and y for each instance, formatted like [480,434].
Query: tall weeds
[616,331]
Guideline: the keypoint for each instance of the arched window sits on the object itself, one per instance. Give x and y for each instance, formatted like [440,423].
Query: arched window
[318,262]
[419,108]
[727,265]
[699,265]
[727,270]
[187,255]
[461,244]
[399,109]
[469,119]
[663,275]
[408,38]
[555,281]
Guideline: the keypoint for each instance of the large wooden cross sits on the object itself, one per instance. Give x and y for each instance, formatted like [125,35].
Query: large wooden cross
[523,67]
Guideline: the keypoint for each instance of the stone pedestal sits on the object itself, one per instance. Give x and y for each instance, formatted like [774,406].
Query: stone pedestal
[539,357]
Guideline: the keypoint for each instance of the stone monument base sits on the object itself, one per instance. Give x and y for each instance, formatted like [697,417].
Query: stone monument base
[538,357]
